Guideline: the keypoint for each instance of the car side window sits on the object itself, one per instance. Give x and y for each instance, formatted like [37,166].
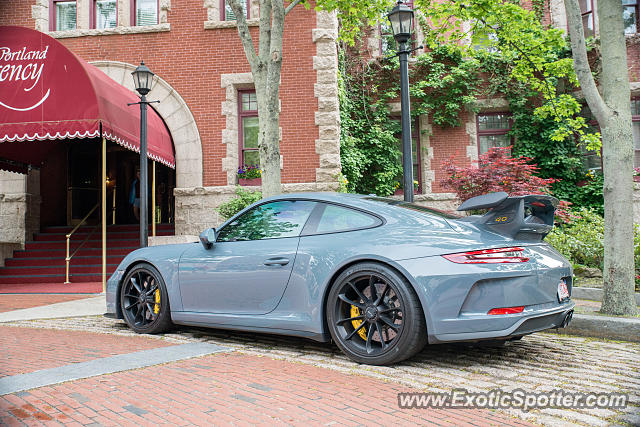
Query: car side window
[338,218]
[284,218]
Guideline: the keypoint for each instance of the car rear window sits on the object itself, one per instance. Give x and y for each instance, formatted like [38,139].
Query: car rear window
[414,207]
[337,218]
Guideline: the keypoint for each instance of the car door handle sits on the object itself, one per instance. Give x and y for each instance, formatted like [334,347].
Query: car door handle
[277,261]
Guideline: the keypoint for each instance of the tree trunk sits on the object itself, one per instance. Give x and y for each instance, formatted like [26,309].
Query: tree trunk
[613,112]
[266,67]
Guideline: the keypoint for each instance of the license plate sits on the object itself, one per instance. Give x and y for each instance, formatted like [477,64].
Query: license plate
[563,291]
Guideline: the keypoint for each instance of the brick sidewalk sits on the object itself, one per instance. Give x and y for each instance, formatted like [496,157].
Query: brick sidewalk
[10,302]
[26,350]
[221,389]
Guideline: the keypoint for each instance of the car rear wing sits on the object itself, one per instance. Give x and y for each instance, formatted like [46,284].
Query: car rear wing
[527,217]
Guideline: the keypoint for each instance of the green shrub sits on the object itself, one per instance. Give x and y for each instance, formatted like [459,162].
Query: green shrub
[244,199]
[581,241]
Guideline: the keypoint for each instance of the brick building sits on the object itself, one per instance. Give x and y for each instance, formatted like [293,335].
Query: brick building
[208,105]
[206,93]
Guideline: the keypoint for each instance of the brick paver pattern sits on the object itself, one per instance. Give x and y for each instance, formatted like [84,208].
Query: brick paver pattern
[227,389]
[26,350]
[9,302]
[539,362]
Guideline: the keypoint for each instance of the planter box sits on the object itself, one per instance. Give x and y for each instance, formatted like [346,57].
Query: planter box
[250,182]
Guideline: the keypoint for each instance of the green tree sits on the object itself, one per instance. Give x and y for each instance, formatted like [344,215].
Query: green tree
[613,111]
[265,58]
[519,37]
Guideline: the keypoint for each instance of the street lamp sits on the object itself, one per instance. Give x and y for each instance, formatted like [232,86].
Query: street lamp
[401,18]
[143,81]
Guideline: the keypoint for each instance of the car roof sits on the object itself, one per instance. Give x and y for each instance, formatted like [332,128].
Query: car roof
[387,207]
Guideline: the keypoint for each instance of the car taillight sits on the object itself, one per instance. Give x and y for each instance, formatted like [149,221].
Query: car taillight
[506,310]
[489,256]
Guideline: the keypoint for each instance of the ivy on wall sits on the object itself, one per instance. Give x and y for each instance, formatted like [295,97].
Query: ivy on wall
[442,84]
[449,79]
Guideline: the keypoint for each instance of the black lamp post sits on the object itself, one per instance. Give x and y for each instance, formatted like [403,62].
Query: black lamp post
[401,18]
[143,80]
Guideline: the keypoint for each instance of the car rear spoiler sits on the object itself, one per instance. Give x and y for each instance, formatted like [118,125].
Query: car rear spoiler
[527,217]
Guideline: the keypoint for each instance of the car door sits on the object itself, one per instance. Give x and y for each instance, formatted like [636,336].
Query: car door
[247,270]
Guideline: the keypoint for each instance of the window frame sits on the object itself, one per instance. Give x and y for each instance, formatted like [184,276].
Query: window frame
[223,15]
[92,15]
[133,21]
[241,115]
[52,14]
[636,6]
[251,208]
[591,17]
[493,131]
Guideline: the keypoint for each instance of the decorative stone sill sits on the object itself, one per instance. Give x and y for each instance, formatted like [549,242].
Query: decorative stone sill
[214,25]
[111,31]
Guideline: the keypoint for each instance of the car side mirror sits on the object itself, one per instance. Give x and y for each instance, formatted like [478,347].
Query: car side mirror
[208,238]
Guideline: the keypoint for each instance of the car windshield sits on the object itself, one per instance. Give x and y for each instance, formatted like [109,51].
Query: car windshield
[414,207]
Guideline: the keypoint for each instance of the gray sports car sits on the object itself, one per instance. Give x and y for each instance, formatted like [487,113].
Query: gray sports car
[379,276]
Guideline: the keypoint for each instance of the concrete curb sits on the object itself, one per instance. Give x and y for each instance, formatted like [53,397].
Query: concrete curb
[594,294]
[613,328]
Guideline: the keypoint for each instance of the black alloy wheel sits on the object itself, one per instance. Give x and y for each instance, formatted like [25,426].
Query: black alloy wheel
[144,300]
[374,315]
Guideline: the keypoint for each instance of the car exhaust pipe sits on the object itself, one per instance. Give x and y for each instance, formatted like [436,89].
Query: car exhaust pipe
[567,319]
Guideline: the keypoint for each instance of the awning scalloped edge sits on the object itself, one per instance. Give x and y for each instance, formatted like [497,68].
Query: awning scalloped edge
[131,147]
[49,136]
[80,135]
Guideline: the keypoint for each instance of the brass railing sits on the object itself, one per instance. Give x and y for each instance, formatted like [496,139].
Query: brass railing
[68,257]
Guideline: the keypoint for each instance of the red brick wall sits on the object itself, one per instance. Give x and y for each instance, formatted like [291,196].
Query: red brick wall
[633,57]
[448,142]
[191,59]
[16,12]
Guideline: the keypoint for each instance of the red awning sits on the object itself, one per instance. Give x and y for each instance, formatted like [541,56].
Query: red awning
[49,93]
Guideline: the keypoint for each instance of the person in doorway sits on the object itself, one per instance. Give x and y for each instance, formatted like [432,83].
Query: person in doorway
[134,195]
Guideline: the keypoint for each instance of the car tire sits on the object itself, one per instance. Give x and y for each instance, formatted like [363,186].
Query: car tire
[376,299]
[144,300]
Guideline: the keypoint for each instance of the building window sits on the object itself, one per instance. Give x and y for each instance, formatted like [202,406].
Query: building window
[631,16]
[248,129]
[226,13]
[144,12]
[493,130]
[104,14]
[635,114]
[586,9]
[63,15]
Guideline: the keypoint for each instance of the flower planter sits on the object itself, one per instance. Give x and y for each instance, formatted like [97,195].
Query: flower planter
[636,178]
[250,182]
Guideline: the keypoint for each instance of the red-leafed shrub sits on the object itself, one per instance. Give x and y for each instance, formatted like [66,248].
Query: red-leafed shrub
[496,170]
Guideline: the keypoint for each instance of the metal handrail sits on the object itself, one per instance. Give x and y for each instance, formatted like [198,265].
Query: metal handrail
[68,257]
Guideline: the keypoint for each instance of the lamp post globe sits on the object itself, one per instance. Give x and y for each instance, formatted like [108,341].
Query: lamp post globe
[401,18]
[143,81]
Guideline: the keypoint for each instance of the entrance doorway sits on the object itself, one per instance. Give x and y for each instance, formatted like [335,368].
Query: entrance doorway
[70,185]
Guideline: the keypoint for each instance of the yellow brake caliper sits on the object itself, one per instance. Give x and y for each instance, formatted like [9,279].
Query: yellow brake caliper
[156,306]
[355,311]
